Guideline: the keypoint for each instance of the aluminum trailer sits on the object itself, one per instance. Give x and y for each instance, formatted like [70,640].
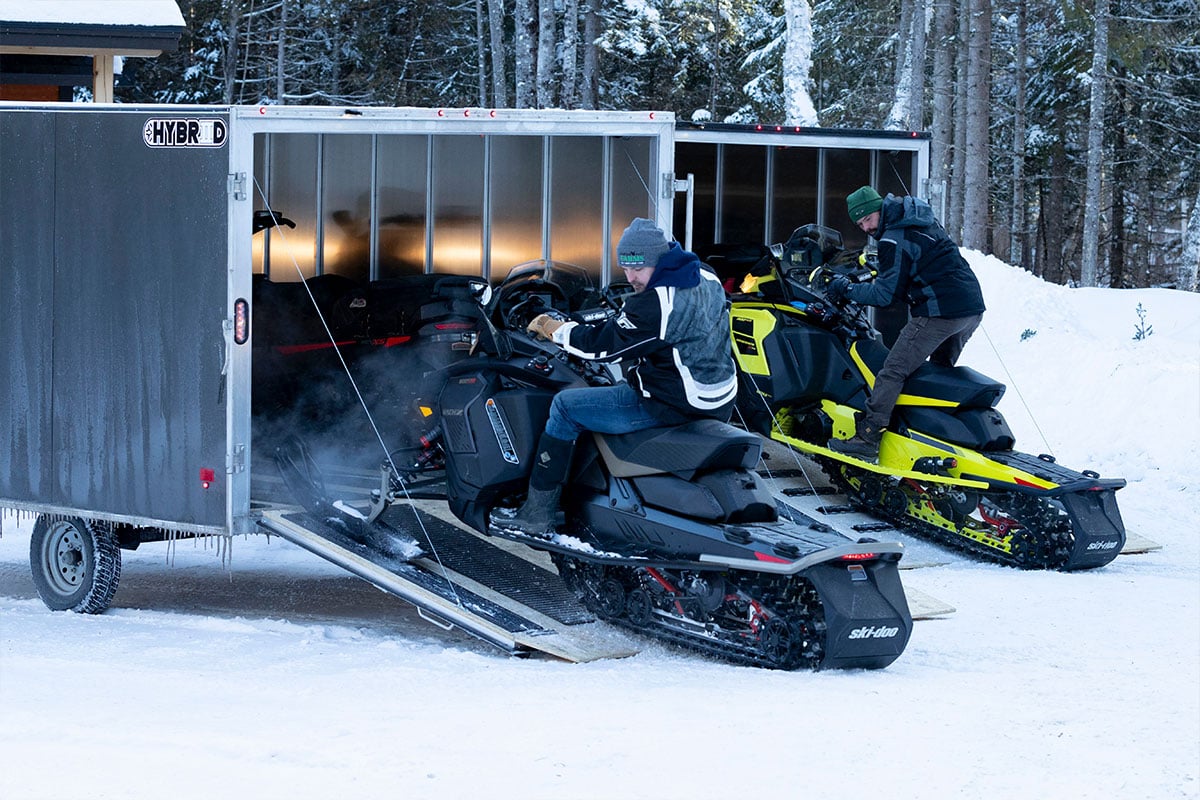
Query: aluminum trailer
[128,265]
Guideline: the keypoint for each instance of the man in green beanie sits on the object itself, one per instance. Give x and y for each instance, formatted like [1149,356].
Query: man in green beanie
[919,262]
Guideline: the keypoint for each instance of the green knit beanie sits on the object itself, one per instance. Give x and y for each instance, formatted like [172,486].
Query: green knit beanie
[863,202]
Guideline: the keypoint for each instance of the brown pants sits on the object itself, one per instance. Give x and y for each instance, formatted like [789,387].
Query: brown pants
[939,340]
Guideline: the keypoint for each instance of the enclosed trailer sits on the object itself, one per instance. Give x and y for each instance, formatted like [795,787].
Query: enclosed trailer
[130,267]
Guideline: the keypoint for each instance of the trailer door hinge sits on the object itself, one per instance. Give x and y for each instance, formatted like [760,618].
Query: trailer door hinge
[237,460]
[668,185]
[237,185]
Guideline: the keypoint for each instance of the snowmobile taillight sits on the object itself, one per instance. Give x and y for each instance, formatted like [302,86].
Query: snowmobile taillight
[858,556]
[207,476]
[241,321]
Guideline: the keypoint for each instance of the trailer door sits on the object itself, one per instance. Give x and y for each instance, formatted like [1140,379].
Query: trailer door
[115,273]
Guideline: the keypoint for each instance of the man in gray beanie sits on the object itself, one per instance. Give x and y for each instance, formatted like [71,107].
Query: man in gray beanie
[672,335]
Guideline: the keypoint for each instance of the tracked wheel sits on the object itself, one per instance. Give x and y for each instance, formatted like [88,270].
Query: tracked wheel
[778,644]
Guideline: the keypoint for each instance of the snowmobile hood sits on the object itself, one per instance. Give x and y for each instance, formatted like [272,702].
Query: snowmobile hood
[676,267]
[906,212]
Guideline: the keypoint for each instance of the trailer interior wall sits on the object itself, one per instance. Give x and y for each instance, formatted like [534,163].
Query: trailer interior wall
[755,185]
[114,269]
[386,201]
[469,195]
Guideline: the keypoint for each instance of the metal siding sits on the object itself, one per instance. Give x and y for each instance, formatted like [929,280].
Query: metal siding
[132,325]
[26,284]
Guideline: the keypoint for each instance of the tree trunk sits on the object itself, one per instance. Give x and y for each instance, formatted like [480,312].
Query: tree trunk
[570,55]
[1089,267]
[797,63]
[714,55]
[545,54]
[942,120]
[480,53]
[959,168]
[976,178]
[279,53]
[916,113]
[523,53]
[897,118]
[1053,204]
[499,76]
[591,55]
[1017,252]
[1189,266]
[229,64]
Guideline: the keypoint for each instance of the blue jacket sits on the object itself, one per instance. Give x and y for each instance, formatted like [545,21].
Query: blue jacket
[919,262]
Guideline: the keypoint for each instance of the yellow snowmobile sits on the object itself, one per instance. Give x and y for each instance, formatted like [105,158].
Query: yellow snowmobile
[946,468]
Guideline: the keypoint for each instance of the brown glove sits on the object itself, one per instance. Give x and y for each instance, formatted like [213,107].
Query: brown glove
[543,326]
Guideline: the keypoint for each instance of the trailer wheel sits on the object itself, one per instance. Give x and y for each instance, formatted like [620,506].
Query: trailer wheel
[76,563]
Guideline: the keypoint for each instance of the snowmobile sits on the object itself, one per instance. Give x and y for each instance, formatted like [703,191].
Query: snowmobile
[946,469]
[667,531]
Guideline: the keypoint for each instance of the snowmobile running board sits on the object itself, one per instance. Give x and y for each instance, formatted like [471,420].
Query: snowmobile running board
[547,619]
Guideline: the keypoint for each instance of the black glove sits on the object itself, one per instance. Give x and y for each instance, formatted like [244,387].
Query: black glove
[836,290]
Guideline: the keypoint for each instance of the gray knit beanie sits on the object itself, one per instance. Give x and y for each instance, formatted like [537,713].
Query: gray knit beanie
[641,245]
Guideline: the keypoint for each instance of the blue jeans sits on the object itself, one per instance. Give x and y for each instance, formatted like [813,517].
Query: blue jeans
[604,409]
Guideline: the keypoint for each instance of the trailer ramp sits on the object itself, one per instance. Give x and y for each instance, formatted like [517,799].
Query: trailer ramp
[463,580]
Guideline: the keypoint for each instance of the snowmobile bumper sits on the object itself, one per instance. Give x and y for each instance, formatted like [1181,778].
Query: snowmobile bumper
[867,619]
[1097,526]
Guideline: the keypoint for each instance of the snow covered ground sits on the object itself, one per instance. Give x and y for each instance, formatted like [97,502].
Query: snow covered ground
[278,676]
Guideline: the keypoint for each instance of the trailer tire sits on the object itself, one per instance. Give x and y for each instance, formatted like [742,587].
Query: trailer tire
[76,563]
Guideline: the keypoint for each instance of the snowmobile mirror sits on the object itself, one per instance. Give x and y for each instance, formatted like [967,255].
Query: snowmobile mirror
[482,292]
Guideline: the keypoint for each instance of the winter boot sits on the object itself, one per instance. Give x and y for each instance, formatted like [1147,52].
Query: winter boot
[539,514]
[864,444]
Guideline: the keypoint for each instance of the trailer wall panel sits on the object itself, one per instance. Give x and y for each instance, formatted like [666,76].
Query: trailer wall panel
[129,306]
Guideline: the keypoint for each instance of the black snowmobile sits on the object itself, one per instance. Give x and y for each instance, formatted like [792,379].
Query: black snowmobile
[667,531]
[946,468]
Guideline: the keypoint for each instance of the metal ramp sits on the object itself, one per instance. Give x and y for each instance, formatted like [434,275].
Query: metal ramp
[475,584]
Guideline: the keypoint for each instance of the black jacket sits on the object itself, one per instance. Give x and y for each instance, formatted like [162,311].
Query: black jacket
[677,333]
[921,263]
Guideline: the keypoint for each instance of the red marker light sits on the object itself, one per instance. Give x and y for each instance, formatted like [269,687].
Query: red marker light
[207,476]
[241,321]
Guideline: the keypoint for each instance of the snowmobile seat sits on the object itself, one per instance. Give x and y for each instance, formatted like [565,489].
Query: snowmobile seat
[962,387]
[683,450]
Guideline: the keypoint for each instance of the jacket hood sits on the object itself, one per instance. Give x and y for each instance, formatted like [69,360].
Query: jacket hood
[904,212]
[677,267]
